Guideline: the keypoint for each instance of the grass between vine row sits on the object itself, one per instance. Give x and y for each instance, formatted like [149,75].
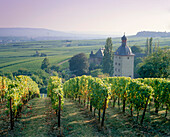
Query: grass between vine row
[39,119]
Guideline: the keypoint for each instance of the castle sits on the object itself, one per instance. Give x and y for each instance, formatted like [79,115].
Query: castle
[123,59]
[97,58]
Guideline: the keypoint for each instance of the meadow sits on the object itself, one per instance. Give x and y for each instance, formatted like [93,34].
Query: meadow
[14,56]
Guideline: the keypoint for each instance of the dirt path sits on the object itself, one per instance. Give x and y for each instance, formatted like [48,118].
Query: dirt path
[63,62]
[38,119]
[4,122]
[35,118]
[77,122]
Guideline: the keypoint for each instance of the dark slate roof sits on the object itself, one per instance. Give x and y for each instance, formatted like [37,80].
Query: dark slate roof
[124,38]
[124,51]
[100,53]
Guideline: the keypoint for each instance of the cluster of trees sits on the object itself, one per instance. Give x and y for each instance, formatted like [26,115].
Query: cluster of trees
[155,62]
[155,65]
[54,70]
[79,64]
[149,49]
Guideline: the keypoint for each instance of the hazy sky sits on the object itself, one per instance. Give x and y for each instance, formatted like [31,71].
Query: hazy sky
[107,16]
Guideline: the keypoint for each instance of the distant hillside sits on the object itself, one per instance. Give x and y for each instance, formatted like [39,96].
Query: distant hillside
[152,34]
[45,34]
[31,32]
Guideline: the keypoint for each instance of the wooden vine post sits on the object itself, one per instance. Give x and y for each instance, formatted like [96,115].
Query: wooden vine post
[166,110]
[59,111]
[114,101]
[90,106]
[104,110]
[11,115]
[87,102]
[131,109]
[144,111]
[99,115]
[119,102]
[29,95]
[79,100]
[124,103]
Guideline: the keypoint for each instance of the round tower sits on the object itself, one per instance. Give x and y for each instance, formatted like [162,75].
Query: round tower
[124,60]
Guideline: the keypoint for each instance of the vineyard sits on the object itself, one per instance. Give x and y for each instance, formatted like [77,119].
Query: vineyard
[135,94]
[140,100]
[17,93]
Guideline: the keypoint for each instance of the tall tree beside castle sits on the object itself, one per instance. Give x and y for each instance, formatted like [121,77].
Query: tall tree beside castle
[108,57]
[149,46]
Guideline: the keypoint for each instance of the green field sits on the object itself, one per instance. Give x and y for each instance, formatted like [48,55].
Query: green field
[20,55]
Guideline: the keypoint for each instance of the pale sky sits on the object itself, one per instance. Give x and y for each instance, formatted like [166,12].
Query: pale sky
[106,16]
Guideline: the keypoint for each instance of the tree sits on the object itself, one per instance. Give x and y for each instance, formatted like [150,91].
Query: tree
[56,68]
[137,60]
[45,64]
[108,57]
[78,64]
[156,65]
[156,47]
[41,77]
[150,46]
[147,46]
[136,49]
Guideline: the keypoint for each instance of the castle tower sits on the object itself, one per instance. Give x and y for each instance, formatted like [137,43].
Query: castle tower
[124,60]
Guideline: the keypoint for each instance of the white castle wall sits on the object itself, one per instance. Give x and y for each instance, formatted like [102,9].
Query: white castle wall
[124,66]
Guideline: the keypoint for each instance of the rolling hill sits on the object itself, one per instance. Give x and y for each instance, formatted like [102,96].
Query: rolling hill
[45,34]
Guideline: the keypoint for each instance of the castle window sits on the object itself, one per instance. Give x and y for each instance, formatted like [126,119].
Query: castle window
[115,69]
[119,70]
[119,57]
[127,57]
[116,63]
[119,64]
